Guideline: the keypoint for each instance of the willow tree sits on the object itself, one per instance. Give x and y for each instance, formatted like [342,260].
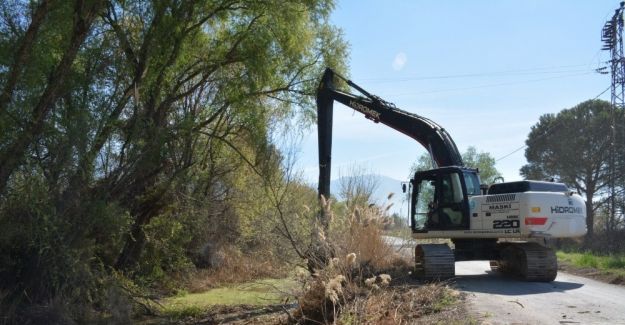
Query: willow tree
[107,106]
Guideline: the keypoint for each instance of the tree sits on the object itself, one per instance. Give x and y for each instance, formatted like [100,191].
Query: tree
[114,114]
[573,146]
[482,161]
[471,158]
[357,186]
[424,162]
[73,35]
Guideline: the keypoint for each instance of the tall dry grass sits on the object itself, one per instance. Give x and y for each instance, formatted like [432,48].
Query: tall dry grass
[362,235]
[359,264]
[237,267]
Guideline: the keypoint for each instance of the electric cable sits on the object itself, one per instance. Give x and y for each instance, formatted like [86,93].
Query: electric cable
[504,73]
[542,135]
[501,84]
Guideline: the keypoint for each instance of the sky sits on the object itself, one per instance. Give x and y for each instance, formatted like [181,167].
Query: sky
[484,70]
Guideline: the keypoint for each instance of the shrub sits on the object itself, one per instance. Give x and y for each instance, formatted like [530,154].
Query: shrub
[51,261]
[361,258]
[614,262]
[587,260]
[237,268]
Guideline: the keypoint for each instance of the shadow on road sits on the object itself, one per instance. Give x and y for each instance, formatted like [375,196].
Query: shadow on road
[495,283]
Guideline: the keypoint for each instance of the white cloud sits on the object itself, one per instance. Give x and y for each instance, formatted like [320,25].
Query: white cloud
[400,61]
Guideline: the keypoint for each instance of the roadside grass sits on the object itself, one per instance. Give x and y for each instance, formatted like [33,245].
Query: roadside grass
[256,293]
[613,264]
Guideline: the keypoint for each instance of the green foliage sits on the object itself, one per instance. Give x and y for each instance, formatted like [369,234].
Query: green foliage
[482,161]
[183,312]
[587,260]
[50,260]
[471,158]
[573,147]
[165,253]
[423,163]
[613,263]
[135,133]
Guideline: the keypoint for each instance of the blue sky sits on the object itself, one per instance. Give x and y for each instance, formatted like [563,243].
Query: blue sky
[484,70]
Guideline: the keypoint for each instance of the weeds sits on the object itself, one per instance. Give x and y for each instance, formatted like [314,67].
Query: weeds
[403,304]
[237,268]
[615,262]
[610,268]
[601,262]
[362,284]
[587,260]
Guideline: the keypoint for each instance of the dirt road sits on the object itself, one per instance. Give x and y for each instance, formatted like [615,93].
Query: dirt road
[495,299]
[569,299]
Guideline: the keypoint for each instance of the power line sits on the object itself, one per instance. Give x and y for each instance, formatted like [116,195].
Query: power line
[478,75]
[547,132]
[603,92]
[503,73]
[511,153]
[551,128]
[493,85]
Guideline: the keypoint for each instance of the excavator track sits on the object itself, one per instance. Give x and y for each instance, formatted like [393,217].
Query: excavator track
[529,261]
[434,261]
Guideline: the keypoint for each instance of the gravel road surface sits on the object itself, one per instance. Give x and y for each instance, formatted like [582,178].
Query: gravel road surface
[570,299]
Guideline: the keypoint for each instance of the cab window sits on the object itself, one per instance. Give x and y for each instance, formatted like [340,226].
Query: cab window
[472,181]
[451,191]
[425,200]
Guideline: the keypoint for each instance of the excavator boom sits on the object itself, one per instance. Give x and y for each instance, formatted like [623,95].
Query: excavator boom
[430,135]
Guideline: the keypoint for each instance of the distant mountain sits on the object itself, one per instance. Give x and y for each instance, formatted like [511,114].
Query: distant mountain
[386,185]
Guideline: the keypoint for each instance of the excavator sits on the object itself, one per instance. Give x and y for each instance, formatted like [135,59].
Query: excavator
[507,224]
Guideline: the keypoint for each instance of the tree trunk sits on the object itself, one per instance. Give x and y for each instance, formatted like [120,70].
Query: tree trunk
[22,54]
[133,246]
[135,239]
[590,214]
[13,156]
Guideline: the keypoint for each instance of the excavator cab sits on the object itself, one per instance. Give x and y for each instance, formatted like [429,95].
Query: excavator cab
[440,198]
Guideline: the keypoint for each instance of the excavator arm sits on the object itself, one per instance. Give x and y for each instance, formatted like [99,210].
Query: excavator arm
[430,135]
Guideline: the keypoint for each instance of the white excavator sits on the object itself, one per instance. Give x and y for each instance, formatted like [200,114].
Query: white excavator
[507,224]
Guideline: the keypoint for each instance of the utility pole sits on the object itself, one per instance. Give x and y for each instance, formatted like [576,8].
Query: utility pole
[612,38]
